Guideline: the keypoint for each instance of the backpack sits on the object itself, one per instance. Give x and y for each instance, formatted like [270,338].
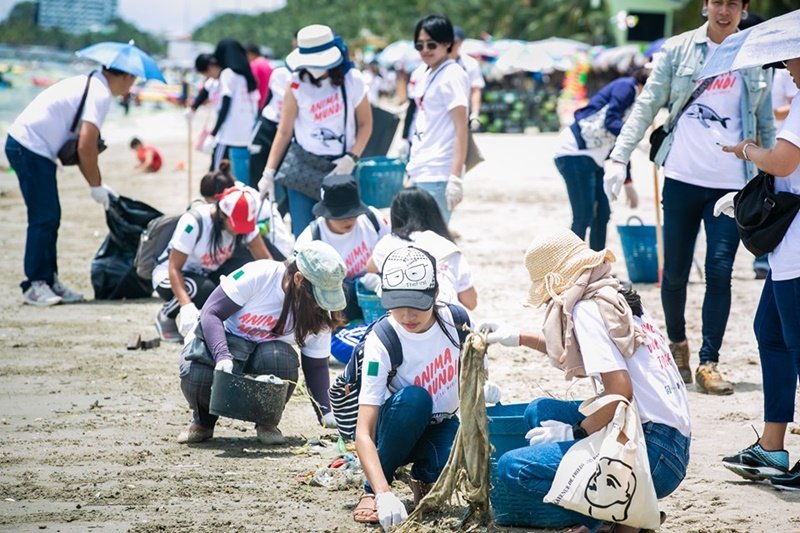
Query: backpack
[155,240]
[315,236]
[345,390]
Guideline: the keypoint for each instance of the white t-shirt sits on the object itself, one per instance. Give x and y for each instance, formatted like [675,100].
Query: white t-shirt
[278,83]
[200,258]
[43,126]
[452,270]
[270,225]
[430,361]
[257,288]
[436,94]
[373,83]
[473,69]
[784,260]
[414,81]
[568,146]
[319,127]
[235,131]
[783,92]
[715,116]
[354,247]
[658,388]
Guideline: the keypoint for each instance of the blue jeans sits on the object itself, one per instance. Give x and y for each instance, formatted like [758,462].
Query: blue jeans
[685,207]
[300,207]
[37,181]
[590,208]
[405,435]
[777,329]
[533,468]
[437,190]
[240,163]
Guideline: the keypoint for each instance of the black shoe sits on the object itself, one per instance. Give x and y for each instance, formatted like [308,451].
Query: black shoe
[788,481]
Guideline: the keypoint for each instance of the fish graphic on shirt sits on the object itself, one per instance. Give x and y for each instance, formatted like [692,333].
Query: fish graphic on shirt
[324,135]
[705,114]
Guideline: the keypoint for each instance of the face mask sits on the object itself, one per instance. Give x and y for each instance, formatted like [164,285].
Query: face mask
[317,73]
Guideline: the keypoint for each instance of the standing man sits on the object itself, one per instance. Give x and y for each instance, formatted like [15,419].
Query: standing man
[34,140]
[262,70]
[476,81]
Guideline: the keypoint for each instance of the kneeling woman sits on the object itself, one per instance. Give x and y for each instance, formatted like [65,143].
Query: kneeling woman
[592,328]
[251,322]
[407,414]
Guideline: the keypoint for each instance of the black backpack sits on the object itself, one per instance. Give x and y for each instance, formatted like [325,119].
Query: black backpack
[345,390]
[155,240]
[370,215]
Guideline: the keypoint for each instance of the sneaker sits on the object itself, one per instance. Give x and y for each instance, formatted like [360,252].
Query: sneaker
[167,328]
[755,463]
[789,480]
[195,433]
[68,296]
[270,435]
[40,294]
[710,380]
[680,353]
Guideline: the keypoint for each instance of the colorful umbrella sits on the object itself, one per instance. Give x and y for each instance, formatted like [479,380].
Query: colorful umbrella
[125,57]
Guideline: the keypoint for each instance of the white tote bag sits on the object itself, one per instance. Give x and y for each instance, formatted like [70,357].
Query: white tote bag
[607,475]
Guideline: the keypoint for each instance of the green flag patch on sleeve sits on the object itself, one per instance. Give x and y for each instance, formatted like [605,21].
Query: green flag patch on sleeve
[188,228]
[372,368]
[238,274]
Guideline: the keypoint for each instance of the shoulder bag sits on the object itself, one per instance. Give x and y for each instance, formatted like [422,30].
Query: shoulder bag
[660,133]
[762,215]
[68,153]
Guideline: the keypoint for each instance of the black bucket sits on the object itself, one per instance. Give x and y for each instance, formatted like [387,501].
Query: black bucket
[243,398]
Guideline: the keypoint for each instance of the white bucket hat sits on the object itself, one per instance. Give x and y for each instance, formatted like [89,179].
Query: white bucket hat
[316,48]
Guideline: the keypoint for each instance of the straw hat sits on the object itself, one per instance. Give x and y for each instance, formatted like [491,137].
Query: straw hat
[556,260]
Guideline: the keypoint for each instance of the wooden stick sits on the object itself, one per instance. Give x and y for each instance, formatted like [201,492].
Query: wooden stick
[659,232]
[189,148]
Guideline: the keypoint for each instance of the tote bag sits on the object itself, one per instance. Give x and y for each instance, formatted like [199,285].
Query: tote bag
[762,215]
[607,474]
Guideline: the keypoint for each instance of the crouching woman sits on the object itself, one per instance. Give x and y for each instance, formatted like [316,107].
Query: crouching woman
[251,322]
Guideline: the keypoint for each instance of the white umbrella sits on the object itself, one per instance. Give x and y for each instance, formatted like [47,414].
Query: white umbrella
[771,41]
[539,56]
[399,53]
[619,58]
[478,48]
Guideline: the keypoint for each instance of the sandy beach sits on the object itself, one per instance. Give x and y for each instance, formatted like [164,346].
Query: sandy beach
[87,428]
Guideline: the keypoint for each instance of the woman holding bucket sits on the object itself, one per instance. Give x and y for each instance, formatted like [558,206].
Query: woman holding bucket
[249,325]
[592,328]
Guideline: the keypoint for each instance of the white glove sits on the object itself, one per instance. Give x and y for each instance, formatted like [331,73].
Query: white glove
[225,365]
[613,179]
[491,392]
[266,185]
[454,191]
[328,421]
[188,318]
[371,281]
[188,114]
[102,195]
[474,122]
[551,431]
[631,195]
[208,144]
[391,511]
[343,166]
[500,333]
[725,205]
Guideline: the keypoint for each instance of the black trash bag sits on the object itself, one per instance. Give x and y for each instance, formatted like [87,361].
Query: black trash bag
[384,127]
[113,273]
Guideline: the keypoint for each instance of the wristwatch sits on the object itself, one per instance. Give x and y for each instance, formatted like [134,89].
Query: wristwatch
[578,432]
[353,156]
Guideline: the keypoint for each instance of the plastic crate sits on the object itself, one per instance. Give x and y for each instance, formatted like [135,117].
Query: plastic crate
[370,304]
[379,179]
[640,250]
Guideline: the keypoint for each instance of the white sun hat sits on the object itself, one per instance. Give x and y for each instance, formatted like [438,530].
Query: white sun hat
[317,47]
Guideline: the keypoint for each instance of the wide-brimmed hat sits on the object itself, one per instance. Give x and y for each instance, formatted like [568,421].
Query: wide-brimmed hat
[556,260]
[317,47]
[408,279]
[323,267]
[240,204]
[339,198]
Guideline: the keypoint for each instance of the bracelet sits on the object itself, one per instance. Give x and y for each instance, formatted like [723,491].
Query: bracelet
[744,150]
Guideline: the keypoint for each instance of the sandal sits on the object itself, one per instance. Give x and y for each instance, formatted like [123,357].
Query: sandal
[366,511]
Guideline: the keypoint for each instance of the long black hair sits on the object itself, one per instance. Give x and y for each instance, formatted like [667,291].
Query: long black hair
[216,182]
[230,54]
[415,210]
[633,299]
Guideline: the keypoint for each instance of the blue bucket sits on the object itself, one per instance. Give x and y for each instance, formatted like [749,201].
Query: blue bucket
[641,251]
[370,304]
[379,179]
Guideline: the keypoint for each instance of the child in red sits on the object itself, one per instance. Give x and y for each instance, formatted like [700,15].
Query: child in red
[148,156]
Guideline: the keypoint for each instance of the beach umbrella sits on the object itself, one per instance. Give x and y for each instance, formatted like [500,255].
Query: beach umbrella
[546,55]
[125,57]
[478,48]
[771,41]
[399,54]
[619,58]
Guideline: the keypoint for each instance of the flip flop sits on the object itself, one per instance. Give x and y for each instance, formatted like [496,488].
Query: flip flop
[365,511]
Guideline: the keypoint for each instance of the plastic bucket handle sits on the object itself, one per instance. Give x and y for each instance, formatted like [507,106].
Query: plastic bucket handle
[634,217]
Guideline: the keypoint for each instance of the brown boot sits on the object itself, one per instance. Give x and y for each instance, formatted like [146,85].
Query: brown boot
[710,380]
[419,489]
[680,352]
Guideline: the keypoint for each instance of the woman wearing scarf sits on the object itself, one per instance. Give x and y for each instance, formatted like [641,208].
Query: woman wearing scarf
[592,328]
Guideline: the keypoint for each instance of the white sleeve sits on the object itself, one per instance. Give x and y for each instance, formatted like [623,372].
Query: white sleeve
[599,352]
[245,283]
[374,372]
[383,248]
[227,81]
[452,89]
[791,126]
[186,234]
[318,346]
[98,102]
[462,272]
[356,89]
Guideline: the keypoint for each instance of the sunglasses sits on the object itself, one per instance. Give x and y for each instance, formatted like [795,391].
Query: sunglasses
[430,45]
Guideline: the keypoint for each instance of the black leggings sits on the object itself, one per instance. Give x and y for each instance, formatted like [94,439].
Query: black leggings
[199,287]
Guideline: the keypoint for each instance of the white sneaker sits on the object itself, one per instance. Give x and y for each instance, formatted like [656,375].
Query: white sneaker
[40,294]
[68,296]
[167,329]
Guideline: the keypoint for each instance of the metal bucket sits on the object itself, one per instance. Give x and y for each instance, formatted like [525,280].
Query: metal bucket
[243,398]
